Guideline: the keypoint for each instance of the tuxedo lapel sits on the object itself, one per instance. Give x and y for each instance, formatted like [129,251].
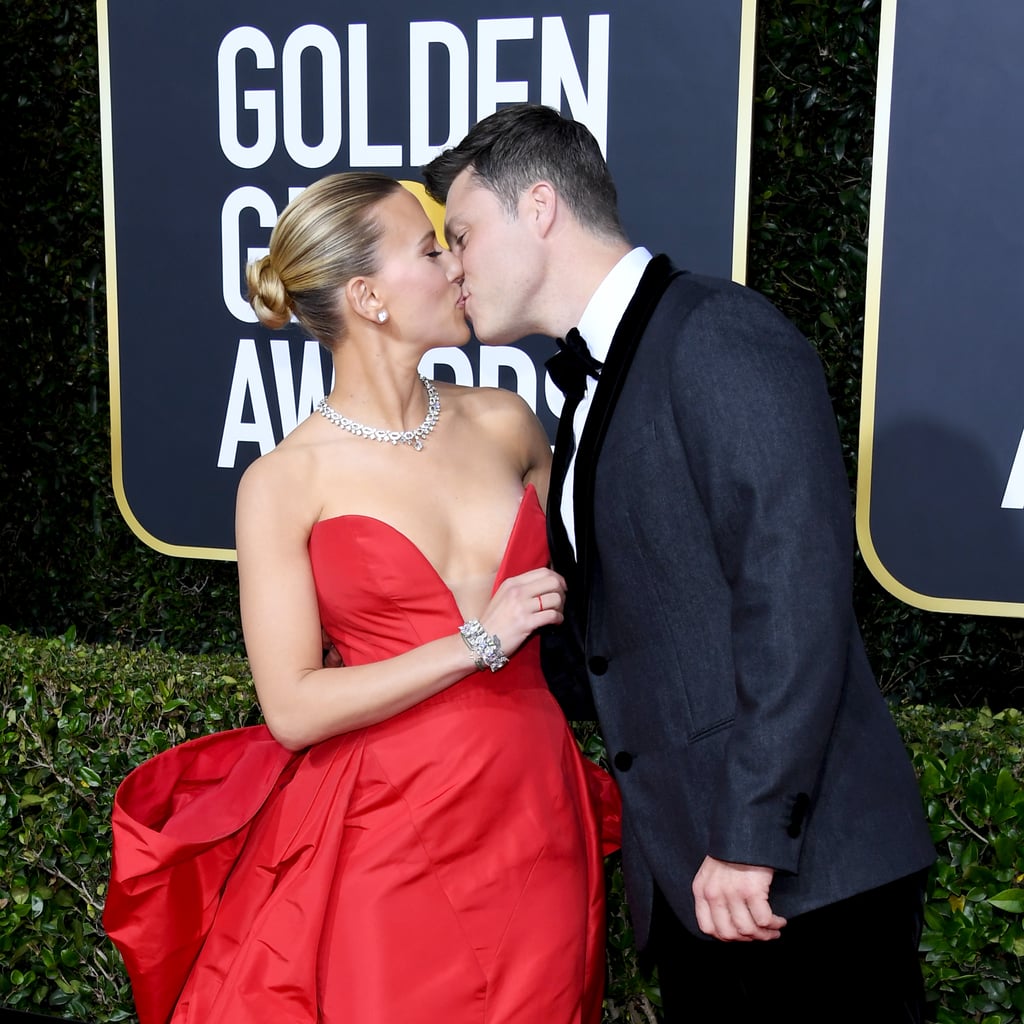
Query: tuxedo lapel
[624,344]
[562,555]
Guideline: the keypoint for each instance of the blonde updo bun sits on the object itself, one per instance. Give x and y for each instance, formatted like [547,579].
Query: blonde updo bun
[324,237]
[267,294]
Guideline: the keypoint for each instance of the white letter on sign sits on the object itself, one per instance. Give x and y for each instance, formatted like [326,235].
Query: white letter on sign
[489,91]
[260,100]
[311,382]
[1014,495]
[361,153]
[421,35]
[311,37]
[247,381]
[248,197]
[559,71]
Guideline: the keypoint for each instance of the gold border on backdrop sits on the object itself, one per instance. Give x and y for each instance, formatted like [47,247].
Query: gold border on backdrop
[876,237]
[113,356]
[741,213]
[744,131]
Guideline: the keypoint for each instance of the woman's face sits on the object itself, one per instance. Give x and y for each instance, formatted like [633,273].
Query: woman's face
[419,282]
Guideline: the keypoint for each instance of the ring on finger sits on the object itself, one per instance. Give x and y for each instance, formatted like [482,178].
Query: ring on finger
[540,602]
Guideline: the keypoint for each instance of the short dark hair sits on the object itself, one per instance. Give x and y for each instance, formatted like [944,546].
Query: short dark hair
[521,144]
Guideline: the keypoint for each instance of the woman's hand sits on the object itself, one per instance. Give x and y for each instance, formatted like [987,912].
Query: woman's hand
[522,604]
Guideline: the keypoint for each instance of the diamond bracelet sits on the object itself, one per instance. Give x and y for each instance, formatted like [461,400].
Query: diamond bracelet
[485,647]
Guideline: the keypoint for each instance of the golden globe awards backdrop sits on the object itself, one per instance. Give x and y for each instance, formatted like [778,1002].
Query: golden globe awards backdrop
[216,114]
[940,511]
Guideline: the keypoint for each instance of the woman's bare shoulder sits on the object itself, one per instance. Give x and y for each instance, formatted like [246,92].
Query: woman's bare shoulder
[483,404]
[287,474]
[504,420]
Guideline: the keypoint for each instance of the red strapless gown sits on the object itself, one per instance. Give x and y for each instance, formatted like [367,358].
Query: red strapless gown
[441,867]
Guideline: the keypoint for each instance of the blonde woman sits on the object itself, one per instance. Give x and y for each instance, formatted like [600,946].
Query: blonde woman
[414,836]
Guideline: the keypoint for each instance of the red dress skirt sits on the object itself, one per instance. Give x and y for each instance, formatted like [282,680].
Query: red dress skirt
[440,867]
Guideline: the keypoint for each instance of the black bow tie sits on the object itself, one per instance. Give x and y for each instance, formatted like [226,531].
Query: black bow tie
[572,364]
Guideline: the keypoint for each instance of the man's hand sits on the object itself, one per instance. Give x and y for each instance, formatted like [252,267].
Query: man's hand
[732,901]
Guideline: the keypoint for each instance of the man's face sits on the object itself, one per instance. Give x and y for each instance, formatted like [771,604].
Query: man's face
[501,261]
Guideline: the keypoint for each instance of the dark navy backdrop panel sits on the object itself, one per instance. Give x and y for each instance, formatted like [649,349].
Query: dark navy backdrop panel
[941,511]
[216,113]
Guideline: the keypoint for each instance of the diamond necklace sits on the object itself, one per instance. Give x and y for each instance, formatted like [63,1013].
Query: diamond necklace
[413,438]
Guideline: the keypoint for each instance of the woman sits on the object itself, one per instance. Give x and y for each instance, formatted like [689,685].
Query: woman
[414,837]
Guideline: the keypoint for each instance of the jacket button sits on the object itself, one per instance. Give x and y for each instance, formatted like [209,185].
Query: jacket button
[598,665]
[801,805]
[623,760]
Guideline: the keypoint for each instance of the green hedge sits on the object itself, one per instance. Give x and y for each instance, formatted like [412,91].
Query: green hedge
[76,718]
[971,768]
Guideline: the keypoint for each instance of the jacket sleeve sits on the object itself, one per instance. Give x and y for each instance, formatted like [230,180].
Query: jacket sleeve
[754,416]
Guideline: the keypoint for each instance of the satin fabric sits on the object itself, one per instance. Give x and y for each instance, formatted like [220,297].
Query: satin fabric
[443,865]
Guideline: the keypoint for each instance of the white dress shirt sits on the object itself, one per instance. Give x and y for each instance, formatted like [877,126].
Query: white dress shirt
[598,324]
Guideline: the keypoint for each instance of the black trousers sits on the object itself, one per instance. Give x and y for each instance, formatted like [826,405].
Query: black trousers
[855,961]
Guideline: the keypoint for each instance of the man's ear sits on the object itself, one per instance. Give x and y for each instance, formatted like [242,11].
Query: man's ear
[363,300]
[539,204]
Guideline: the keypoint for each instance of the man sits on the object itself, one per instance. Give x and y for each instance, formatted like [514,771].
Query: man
[774,841]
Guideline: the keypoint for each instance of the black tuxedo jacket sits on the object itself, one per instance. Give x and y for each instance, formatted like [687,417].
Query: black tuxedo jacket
[711,603]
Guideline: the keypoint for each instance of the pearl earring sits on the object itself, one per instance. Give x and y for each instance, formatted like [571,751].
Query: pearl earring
[382,316]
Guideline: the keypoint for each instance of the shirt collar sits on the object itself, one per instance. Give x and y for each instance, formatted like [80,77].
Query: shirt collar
[606,306]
